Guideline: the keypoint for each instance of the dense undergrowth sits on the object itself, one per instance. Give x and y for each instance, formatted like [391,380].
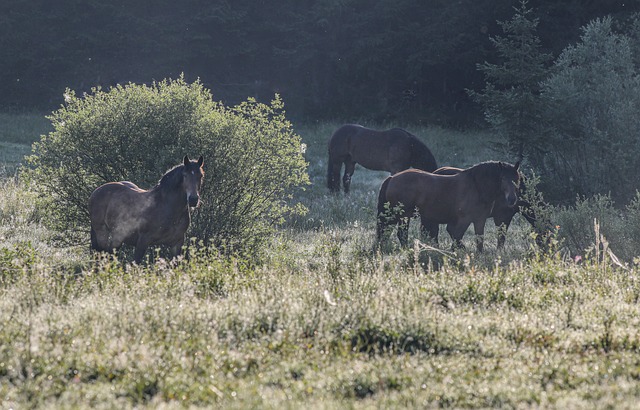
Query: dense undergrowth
[327,320]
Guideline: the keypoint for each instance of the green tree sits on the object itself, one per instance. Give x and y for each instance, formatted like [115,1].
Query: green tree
[593,100]
[511,96]
[253,159]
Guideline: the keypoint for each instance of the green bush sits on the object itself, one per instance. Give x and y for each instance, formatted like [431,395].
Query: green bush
[253,159]
[577,222]
[619,228]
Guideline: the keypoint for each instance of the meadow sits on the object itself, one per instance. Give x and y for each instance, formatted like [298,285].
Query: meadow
[326,320]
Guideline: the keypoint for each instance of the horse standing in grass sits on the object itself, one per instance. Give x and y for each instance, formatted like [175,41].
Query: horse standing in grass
[459,200]
[392,150]
[501,213]
[122,213]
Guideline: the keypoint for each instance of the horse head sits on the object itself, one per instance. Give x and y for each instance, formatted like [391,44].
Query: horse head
[192,175]
[510,182]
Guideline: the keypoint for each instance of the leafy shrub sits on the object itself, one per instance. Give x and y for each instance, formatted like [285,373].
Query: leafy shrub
[538,210]
[631,225]
[577,224]
[253,159]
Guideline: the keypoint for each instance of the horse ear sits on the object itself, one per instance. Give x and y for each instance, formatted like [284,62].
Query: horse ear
[517,165]
[186,160]
[201,161]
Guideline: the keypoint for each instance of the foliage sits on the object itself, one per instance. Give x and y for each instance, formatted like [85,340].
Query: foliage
[253,159]
[537,209]
[511,96]
[577,222]
[619,229]
[16,261]
[408,60]
[593,99]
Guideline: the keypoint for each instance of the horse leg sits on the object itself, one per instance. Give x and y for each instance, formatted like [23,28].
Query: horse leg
[349,168]
[428,229]
[141,248]
[478,228]
[101,239]
[176,249]
[333,176]
[403,230]
[94,240]
[456,231]
[502,221]
[382,227]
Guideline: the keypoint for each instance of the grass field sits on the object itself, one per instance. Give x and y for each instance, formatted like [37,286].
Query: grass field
[325,322]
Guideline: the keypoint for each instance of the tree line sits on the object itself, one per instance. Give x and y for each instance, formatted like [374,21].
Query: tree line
[381,60]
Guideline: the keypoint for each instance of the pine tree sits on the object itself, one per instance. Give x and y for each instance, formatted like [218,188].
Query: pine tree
[511,97]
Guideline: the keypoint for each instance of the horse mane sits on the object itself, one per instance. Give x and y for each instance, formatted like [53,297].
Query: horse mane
[421,156]
[171,178]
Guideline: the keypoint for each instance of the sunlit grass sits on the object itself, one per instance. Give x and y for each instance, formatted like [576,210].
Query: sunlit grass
[333,329]
[328,321]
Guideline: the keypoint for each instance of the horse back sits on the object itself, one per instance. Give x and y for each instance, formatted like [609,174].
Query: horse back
[388,150]
[391,150]
[441,197]
[411,187]
[114,198]
[108,191]
[447,171]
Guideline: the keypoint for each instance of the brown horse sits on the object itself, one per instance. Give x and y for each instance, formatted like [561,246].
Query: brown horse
[456,200]
[392,150]
[122,213]
[501,213]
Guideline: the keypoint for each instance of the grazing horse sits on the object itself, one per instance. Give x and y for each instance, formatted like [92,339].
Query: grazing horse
[122,213]
[459,200]
[501,213]
[392,150]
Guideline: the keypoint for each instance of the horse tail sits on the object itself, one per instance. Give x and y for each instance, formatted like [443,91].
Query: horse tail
[332,180]
[382,217]
[382,195]
[421,156]
[337,149]
[94,240]
[333,173]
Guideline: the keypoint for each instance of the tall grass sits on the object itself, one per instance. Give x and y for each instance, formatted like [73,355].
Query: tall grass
[328,329]
[326,322]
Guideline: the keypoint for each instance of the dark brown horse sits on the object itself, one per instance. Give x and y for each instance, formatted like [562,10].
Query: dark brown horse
[501,213]
[459,200]
[392,150]
[122,213]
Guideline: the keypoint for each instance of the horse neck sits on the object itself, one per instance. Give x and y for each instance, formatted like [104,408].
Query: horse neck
[487,183]
[167,195]
[421,156]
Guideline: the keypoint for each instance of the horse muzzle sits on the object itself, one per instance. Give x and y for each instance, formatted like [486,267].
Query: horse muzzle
[193,200]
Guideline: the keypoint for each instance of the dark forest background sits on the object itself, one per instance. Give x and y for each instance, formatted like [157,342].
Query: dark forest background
[379,60]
